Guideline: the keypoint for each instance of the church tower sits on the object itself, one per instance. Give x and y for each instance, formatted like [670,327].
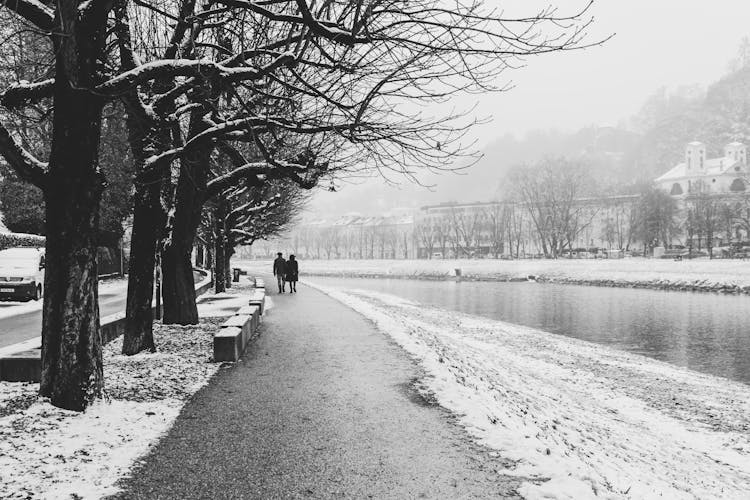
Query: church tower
[695,157]
[736,151]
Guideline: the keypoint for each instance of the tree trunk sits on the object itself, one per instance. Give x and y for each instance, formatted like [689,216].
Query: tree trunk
[72,375]
[178,281]
[228,252]
[220,241]
[178,287]
[148,223]
[146,138]
[71,340]
[220,280]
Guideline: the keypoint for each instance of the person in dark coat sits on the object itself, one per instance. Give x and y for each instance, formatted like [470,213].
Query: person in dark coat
[279,270]
[292,273]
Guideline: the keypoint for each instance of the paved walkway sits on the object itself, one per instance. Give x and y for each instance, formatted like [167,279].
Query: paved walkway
[321,406]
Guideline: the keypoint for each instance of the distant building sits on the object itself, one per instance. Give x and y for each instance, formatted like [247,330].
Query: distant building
[724,180]
[502,229]
[698,173]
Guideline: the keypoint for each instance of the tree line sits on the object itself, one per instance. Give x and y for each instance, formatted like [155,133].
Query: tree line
[551,209]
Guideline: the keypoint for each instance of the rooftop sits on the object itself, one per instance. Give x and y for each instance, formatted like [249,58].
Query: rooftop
[713,167]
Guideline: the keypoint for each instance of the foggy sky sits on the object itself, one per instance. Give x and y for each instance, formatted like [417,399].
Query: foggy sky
[657,43]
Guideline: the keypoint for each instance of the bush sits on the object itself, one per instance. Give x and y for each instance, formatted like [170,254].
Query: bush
[9,240]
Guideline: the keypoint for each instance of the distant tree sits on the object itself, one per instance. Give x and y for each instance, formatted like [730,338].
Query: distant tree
[465,232]
[497,219]
[407,237]
[550,192]
[331,240]
[516,229]
[425,232]
[656,218]
[703,217]
[730,213]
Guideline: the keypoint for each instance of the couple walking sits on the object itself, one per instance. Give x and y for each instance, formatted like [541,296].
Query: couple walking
[286,270]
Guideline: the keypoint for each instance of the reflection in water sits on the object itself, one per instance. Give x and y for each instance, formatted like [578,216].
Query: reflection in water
[705,332]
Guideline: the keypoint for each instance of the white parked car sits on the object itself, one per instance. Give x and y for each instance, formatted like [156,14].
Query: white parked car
[21,273]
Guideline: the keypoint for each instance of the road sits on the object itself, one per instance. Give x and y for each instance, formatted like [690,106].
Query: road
[21,321]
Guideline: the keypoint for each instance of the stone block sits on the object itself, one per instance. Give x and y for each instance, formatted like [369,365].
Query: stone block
[245,310]
[243,322]
[228,344]
[23,366]
[259,301]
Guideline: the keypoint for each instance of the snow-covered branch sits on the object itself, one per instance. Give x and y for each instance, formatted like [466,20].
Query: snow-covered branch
[24,163]
[24,92]
[222,182]
[34,12]
[165,69]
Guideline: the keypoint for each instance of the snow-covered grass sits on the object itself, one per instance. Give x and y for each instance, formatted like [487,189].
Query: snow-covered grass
[580,420]
[698,274]
[46,452]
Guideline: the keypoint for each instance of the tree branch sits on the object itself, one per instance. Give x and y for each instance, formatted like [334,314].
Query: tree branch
[34,12]
[22,93]
[24,163]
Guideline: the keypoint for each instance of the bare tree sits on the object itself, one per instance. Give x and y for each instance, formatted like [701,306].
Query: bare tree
[465,230]
[703,217]
[656,218]
[245,215]
[497,220]
[334,76]
[426,235]
[550,192]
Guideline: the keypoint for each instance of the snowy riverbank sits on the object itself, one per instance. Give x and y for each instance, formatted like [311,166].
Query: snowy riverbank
[726,276]
[581,420]
[46,452]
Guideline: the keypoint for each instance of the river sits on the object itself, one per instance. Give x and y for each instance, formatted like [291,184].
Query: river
[709,333]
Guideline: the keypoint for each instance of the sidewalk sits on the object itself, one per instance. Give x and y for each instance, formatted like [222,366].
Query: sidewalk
[321,406]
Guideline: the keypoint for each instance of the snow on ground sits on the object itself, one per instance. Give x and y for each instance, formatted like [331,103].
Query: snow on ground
[46,452]
[701,274]
[221,304]
[581,420]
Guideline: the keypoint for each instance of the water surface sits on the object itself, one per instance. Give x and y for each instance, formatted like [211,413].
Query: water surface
[705,332]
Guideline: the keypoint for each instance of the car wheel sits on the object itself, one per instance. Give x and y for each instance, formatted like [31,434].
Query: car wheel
[37,292]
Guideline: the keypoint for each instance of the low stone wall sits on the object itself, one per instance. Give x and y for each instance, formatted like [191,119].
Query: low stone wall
[235,334]
[696,285]
[25,365]
[676,286]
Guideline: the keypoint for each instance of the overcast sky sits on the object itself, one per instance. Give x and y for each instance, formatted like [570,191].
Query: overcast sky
[656,43]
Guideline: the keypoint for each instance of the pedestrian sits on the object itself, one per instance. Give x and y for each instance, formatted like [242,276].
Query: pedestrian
[292,273]
[279,270]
